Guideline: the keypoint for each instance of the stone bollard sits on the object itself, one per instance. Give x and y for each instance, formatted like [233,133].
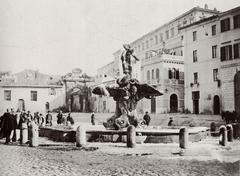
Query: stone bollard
[81,136]
[33,141]
[236,130]
[183,138]
[131,136]
[223,135]
[24,133]
[229,133]
[213,129]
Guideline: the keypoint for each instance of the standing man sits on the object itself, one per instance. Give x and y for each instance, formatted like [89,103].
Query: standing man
[7,125]
[14,120]
[93,118]
[170,123]
[60,118]
[70,119]
[48,119]
[147,118]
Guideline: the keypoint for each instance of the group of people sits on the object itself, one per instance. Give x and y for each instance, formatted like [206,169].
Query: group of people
[63,120]
[11,122]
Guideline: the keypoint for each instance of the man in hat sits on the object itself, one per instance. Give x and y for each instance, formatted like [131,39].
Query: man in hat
[170,123]
[147,118]
[6,126]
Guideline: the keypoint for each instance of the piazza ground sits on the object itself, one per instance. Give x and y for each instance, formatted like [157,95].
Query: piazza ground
[206,157]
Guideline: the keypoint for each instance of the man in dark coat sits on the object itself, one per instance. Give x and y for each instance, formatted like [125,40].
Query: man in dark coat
[70,118]
[48,119]
[147,118]
[14,118]
[93,118]
[60,118]
[6,125]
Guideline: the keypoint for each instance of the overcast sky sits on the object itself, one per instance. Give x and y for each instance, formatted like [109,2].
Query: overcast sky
[55,36]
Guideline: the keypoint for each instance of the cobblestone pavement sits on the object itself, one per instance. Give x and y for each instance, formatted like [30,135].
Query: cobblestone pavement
[64,160]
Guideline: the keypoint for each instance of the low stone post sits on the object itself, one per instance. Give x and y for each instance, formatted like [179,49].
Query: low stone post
[183,138]
[236,130]
[33,141]
[223,135]
[213,129]
[229,133]
[81,136]
[24,133]
[131,136]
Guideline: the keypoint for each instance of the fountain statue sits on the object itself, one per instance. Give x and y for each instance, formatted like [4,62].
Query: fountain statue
[126,94]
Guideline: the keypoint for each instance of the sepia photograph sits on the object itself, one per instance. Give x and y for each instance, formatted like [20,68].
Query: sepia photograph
[119,88]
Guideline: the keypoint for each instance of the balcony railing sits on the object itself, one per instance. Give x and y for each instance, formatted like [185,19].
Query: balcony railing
[164,81]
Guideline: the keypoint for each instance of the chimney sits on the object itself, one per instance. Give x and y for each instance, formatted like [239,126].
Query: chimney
[205,6]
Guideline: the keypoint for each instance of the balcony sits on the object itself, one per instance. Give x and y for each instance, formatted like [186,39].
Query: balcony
[165,81]
[161,57]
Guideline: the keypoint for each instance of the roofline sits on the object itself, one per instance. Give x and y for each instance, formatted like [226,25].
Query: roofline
[211,17]
[32,86]
[229,11]
[112,62]
[175,19]
[199,22]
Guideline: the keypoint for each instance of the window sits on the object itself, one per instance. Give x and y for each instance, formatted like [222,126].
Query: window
[214,30]
[172,32]
[225,25]
[147,55]
[156,39]
[147,44]
[157,73]
[236,48]
[167,34]
[215,74]
[7,95]
[214,51]
[181,37]
[151,41]
[226,53]
[170,75]
[33,95]
[195,77]
[148,75]
[194,55]
[177,74]
[173,73]
[236,21]
[179,25]
[152,74]
[143,46]
[161,37]
[194,35]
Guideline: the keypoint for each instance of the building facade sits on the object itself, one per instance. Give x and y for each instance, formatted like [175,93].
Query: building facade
[212,64]
[165,73]
[31,90]
[161,54]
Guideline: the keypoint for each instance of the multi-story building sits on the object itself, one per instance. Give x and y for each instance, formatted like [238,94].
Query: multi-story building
[212,64]
[165,73]
[31,90]
[161,58]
